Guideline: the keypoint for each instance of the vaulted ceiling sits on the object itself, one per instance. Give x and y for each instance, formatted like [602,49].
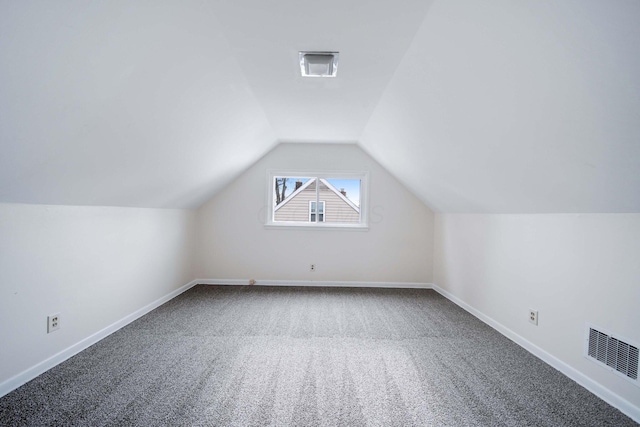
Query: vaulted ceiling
[497,106]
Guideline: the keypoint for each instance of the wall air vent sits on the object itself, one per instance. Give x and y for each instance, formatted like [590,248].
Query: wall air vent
[614,353]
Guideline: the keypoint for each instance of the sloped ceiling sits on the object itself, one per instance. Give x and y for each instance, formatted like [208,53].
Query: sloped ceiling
[122,103]
[498,106]
[517,107]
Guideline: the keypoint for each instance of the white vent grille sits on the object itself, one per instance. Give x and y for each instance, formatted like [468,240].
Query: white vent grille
[613,352]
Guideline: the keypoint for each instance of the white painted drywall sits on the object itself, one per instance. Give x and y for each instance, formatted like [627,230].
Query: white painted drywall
[234,243]
[267,36]
[177,98]
[572,268]
[138,104]
[517,107]
[93,265]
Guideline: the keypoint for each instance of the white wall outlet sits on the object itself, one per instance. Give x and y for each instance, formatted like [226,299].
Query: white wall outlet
[313,267]
[53,323]
[533,316]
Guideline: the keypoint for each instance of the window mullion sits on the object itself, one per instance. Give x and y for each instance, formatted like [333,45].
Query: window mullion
[317,199]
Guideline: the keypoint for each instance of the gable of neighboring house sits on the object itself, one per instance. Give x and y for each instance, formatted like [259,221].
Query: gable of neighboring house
[300,206]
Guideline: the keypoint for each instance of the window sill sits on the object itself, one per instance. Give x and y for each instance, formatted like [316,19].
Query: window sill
[319,227]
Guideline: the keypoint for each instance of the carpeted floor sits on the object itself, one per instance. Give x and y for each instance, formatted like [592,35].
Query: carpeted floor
[254,356]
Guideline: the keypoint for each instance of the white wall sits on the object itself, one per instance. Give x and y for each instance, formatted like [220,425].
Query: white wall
[234,243]
[93,265]
[573,268]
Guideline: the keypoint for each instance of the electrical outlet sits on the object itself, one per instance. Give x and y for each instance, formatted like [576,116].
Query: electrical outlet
[53,323]
[533,316]
[313,267]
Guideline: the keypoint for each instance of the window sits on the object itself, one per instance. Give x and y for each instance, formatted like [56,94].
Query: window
[317,200]
[312,211]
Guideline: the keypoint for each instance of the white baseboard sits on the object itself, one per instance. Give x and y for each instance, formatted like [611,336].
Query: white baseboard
[29,374]
[318,283]
[603,393]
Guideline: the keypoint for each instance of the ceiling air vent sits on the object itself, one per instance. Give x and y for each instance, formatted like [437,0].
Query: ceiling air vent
[318,64]
[613,353]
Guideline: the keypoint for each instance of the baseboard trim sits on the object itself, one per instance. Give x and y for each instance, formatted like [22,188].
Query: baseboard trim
[30,373]
[317,283]
[603,393]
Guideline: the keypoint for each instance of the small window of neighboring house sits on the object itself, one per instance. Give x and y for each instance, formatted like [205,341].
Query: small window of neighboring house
[312,211]
[318,200]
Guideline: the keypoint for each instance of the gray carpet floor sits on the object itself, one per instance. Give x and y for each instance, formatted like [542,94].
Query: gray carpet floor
[257,356]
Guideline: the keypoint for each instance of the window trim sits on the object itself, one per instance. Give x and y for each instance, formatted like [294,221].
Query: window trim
[317,212]
[363,176]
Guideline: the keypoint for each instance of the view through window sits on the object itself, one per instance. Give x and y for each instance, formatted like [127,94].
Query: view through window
[316,200]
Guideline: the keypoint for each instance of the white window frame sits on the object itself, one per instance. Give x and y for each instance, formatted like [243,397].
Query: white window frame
[364,199]
[317,212]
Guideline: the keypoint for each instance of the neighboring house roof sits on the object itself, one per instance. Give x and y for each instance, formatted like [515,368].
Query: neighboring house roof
[327,184]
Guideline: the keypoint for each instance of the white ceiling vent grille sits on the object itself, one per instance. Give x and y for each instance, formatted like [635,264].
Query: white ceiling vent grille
[614,353]
[318,64]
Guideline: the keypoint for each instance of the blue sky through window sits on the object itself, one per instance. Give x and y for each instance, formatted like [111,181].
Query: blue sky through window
[350,186]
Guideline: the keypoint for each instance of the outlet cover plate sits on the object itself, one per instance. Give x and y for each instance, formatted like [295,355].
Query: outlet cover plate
[53,323]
